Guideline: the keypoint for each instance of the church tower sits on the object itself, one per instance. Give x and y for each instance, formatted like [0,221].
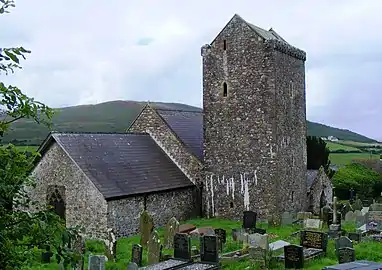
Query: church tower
[254,123]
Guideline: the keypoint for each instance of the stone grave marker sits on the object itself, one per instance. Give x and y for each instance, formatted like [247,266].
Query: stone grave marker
[245,240]
[350,216]
[358,213]
[132,266]
[258,254]
[222,237]
[96,262]
[314,239]
[312,223]
[258,240]
[182,247]
[343,242]
[325,213]
[346,255]
[374,220]
[136,254]
[172,228]
[355,236]
[360,220]
[146,226]
[376,207]
[364,210]
[153,248]
[278,245]
[294,257]
[235,234]
[286,218]
[209,252]
[249,219]
[364,265]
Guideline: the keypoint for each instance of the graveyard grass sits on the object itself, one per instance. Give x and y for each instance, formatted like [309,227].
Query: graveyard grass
[364,251]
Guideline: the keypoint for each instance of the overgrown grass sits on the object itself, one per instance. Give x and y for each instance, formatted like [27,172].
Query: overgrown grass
[346,158]
[371,251]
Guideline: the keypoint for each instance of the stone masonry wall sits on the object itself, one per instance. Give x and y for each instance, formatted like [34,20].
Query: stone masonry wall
[291,150]
[124,214]
[321,184]
[239,139]
[85,205]
[149,121]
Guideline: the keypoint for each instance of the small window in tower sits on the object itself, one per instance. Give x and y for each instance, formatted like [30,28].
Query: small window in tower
[225,44]
[292,195]
[231,204]
[225,89]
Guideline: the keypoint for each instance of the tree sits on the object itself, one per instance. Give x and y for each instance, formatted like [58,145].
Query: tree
[318,155]
[21,231]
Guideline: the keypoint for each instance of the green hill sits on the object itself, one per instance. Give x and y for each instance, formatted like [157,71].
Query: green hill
[116,116]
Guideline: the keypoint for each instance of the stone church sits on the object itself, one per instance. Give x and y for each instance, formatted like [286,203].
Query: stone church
[246,150]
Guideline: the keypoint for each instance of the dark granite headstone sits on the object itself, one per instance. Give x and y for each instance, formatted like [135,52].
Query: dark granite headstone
[314,239]
[249,219]
[136,254]
[209,252]
[343,242]
[182,246]
[355,236]
[294,257]
[346,254]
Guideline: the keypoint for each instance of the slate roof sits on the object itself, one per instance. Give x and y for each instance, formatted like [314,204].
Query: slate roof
[311,175]
[188,126]
[122,164]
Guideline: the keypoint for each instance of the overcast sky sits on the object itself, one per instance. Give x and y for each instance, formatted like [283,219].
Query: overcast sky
[91,51]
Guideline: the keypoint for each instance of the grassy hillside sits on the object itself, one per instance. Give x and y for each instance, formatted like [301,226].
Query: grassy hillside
[116,116]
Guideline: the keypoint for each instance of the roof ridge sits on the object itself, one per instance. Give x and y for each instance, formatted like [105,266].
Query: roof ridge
[98,132]
[178,110]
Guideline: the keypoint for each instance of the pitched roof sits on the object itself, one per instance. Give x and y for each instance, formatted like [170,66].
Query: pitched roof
[188,126]
[122,164]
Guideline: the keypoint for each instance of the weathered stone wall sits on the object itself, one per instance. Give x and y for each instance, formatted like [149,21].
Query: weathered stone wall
[321,184]
[124,214]
[149,121]
[252,160]
[85,205]
[239,141]
[290,108]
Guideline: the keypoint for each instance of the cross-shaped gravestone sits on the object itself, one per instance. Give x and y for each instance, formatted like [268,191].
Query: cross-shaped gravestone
[345,255]
[294,257]
[153,248]
[209,252]
[172,228]
[136,254]
[182,246]
[146,226]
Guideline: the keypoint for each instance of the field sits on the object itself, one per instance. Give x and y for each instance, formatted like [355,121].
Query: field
[346,158]
[364,251]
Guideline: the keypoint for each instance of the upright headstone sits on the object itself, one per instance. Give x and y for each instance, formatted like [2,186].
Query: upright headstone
[311,223]
[96,262]
[182,246]
[346,255]
[172,228]
[209,249]
[343,242]
[314,239]
[249,219]
[136,254]
[294,257]
[146,226]
[286,218]
[153,248]
[355,236]
[258,255]
[258,240]
[222,237]
[132,266]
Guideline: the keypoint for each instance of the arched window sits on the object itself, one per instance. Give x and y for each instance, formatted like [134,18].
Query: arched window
[225,89]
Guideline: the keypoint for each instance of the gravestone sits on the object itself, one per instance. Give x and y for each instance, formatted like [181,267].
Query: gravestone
[182,246]
[46,255]
[364,210]
[343,242]
[278,245]
[294,257]
[222,237]
[314,239]
[153,248]
[350,216]
[111,244]
[374,220]
[172,228]
[364,265]
[360,220]
[355,236]
[249,219]
[209,252]
[346,254]
[96,262]
[136,254]
[258,240]
[312,223]
[146,226]
[286,218]
[258,255]
[358,213]
[235,234]
[132,266]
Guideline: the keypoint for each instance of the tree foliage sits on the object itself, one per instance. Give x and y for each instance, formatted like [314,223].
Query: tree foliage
[318,155]
[21,230]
